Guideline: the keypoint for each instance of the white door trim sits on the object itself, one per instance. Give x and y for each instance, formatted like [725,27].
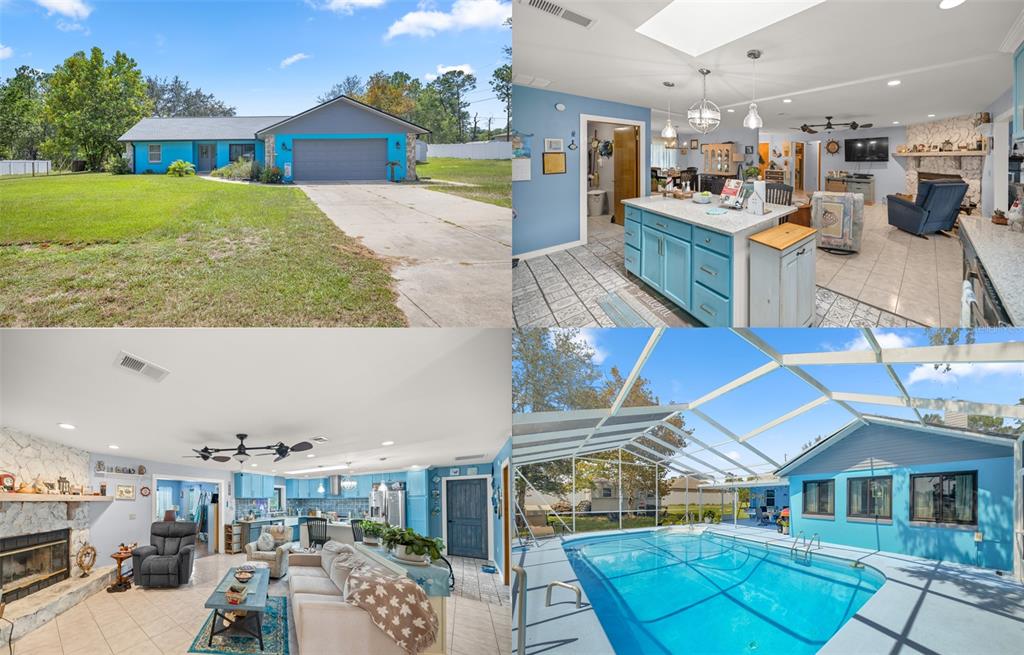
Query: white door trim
[222,497]
[640,164]
[444,509]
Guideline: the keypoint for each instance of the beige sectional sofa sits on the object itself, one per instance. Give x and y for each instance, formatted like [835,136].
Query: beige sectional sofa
[324,622]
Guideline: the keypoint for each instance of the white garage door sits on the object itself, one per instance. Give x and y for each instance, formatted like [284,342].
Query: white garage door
[340,159]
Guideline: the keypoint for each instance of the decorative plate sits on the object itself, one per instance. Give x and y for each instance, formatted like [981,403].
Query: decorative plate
[144,491]
[7,481]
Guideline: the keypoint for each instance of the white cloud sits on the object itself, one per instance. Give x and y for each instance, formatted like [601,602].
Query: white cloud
[734,454]
[6,51]
[344,6]
[65,26]
[464,14]
[884,339]
[297,57]
[74,9]
[441,70]
[963,372]
[589,337]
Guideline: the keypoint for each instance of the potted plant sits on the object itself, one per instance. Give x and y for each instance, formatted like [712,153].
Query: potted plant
[784,524]
[372,532]
[751,172]
[411,546]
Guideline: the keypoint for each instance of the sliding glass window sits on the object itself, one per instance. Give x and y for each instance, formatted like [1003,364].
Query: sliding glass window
[869,498]
[238,151]
[819,497]
[945,497]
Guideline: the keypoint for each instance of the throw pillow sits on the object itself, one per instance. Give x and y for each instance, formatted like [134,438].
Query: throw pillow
[265,542]
[342,567]
[328,553]
[280,533]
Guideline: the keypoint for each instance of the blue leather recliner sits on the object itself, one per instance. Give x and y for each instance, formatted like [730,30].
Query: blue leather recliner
[936,207]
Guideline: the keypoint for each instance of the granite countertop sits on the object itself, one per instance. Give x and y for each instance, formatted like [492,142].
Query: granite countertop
[1001,253]
[263,520]
[733,222]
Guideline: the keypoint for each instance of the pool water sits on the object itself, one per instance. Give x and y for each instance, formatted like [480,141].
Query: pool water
[672,592]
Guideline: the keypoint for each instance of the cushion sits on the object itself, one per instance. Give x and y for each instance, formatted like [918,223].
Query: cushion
[264,555]
[343,565]
[310,585]
[329,552]
[265,542]
[160,564]
[306,572]
[281,534]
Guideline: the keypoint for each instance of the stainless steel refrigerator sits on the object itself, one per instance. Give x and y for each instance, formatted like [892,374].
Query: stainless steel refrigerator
[389,505]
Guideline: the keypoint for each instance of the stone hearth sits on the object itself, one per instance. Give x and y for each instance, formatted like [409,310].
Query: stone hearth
[43,606]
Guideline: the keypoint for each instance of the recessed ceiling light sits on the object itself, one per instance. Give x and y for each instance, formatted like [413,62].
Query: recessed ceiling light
[895,122]
[113,446]
[894,82]
[787,100]
[731,111]
[311,455]
[414,466]
[949,4]
[931,115]
[66,426]
[387,443]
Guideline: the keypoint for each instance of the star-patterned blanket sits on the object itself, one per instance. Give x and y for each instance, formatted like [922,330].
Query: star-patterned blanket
[396,605]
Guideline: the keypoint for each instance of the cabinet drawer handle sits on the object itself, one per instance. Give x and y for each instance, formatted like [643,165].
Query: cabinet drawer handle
[660,243]
[707,239]
[629,234]
[659,224]
[709,271]
[707,310]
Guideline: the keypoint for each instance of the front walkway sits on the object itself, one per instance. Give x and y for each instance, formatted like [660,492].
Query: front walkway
[925,606]
[450,255]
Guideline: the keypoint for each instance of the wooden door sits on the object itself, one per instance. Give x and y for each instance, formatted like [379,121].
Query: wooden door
[466,508]
[764,152]
[798,166]
[626,144]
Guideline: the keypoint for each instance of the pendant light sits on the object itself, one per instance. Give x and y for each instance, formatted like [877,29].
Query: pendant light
[704,116]
[752,119]
[669,132]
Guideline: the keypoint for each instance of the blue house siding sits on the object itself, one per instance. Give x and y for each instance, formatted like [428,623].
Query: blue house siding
[172,151]
[284,149]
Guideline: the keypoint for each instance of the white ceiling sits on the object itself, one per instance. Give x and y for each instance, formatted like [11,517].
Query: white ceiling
[831,59]
[438,394]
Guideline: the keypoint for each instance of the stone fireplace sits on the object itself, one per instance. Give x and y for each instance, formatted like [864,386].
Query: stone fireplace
[957,130]
[32,562]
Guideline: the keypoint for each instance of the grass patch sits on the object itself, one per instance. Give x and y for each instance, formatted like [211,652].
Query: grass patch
[154,250]
[491,179]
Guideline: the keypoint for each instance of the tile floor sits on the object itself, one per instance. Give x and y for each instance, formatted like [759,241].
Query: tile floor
[896,279]
[166,621]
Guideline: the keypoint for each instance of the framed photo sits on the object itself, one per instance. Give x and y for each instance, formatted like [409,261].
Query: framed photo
[748,150]
[125,492]
[694,144]
[554,163]
[554,145]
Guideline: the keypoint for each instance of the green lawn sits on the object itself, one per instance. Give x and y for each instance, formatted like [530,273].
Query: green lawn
[491,179]
[153,250]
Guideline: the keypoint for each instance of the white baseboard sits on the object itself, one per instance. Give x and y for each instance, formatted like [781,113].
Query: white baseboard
[547,251]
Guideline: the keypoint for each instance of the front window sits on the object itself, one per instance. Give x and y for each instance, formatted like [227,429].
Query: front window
[945,497]
[155,153]
[819,497]
[769,498]
[606,492]
[869,498]
[238,151]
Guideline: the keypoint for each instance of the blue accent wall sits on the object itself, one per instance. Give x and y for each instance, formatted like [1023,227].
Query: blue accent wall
[283,149]
[954,544]
[547,207]
[172,151]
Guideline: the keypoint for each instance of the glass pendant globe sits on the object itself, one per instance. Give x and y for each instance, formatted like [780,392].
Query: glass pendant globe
[669,132]
[704,116]
[753,120]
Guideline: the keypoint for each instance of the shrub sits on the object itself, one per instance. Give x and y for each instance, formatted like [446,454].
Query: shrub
[242,169]
[181,168]
[272,175]
[117,165]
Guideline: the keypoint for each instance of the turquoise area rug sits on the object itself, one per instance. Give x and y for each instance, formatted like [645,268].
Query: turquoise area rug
[275,634]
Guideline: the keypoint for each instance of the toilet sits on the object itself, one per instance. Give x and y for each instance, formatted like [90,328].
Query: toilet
[596,202]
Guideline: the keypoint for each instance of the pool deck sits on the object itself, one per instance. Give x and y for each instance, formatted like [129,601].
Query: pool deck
[925,606]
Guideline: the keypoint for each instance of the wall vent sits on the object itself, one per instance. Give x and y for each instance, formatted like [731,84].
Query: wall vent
[137,365]
[469,457]
[558,10]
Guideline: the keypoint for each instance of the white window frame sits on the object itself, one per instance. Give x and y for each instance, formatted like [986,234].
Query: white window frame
[160,153]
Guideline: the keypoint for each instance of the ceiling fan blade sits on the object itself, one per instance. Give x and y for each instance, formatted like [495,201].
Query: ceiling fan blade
[866,126]
[221,458]
[811,130]
[280,457]
[301,446]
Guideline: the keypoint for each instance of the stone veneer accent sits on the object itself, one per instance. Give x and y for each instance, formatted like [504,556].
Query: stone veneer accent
[268,150]
[410,157]
[129,154]
[960,129]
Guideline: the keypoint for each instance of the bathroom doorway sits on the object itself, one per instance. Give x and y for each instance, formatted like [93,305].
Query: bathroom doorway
[613,169]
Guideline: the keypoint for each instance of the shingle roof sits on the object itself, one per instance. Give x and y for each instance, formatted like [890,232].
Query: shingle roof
[192,129]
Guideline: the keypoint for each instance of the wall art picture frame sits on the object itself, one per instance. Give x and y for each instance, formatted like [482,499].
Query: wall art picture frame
[694,144]
[124,492]
[748,150]
[554,145]
[554,163]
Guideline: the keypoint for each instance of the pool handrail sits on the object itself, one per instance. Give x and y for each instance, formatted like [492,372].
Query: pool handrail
[564,585]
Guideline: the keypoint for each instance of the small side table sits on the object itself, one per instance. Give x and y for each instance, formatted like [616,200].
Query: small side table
[123,582]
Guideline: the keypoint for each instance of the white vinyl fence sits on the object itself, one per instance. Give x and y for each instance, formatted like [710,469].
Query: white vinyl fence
[480,150]
[24,167]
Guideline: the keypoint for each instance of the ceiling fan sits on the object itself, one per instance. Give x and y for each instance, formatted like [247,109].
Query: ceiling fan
[242,452]
[828,125]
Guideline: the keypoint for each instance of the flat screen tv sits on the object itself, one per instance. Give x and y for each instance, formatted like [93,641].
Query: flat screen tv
[872,149]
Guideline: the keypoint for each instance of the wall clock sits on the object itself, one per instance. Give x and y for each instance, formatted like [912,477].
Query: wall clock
[832,147]
[144,491]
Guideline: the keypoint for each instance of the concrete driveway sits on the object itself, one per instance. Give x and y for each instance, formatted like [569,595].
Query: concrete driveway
[451,256]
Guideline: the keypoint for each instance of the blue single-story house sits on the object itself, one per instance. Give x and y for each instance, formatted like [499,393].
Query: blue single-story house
[341,139]
[931,491]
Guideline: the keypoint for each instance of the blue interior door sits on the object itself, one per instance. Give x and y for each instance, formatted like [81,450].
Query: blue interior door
[466,508]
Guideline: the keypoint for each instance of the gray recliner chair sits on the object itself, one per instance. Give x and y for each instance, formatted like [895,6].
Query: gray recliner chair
[167,562]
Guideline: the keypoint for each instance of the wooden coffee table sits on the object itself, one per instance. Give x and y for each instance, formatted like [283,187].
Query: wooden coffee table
[247,616]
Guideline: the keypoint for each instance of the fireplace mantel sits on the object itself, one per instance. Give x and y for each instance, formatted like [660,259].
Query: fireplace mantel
[71,500]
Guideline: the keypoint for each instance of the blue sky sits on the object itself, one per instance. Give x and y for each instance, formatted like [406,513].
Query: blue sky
[271,57]
[687,364]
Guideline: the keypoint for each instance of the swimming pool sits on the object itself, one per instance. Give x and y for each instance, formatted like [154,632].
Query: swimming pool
[663,591]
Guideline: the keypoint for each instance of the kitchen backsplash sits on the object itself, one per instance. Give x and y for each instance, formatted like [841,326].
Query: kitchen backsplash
[257,506]
[342,506]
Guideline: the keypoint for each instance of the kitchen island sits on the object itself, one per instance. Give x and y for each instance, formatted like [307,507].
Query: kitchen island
[698,261]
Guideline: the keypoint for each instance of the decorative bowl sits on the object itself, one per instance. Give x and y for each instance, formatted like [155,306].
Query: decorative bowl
[702,199]
[243,576]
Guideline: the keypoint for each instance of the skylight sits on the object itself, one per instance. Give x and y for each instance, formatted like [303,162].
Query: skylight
[696,27]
